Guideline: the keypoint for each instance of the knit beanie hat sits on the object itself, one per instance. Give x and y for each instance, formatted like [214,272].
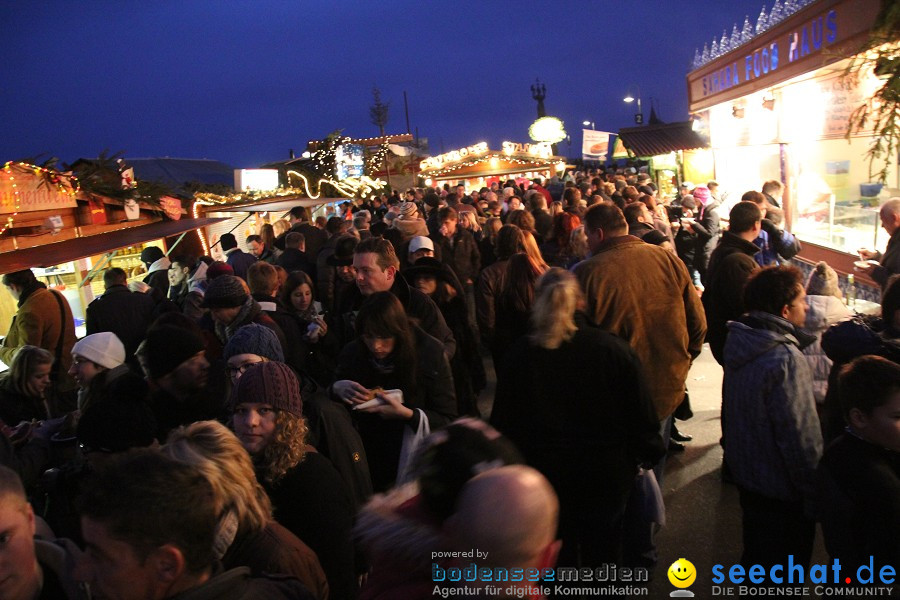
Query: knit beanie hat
[151,254]
[254,339]
[823,281]
[167,346]
[225,291]
[701,194]
[408,210]
[104,348]
[432,200]
[269,383]
[217,269]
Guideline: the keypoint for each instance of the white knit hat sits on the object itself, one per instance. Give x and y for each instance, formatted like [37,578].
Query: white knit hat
[105,349]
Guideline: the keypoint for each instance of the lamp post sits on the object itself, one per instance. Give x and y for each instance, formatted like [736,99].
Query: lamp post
[639,115]
[588,123]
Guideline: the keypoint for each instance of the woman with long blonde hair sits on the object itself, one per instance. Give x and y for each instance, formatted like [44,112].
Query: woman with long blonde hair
[575,404]
[308,495]
[247,533]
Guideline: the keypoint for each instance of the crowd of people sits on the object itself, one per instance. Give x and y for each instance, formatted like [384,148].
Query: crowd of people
[306,419]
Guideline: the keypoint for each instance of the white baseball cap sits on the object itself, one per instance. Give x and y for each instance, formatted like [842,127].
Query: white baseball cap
[420,242]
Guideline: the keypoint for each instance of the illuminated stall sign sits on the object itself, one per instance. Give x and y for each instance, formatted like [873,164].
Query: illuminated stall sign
[542,150]
[436,162]
[349,161]
[24,192]
[787,50]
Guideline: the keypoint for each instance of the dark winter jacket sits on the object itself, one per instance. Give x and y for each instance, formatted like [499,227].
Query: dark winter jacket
[429,388]
[706,227]
[460,253]
[240,261]
[312,502]
[859,485]
[123,312]
[730,266]
[552,408]
[889,261]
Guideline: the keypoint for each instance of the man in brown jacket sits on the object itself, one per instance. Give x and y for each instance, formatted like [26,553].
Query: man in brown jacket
[44,319]
[643,294]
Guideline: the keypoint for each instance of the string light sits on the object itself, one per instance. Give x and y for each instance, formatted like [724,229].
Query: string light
[488,158]
[50,175]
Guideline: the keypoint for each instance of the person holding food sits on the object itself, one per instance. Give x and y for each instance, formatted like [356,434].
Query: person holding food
[404,371]
[881,266]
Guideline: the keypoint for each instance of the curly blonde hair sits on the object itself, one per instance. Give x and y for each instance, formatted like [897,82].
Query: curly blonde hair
[286,450]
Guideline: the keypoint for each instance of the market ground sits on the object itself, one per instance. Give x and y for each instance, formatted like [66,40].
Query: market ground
[703,514]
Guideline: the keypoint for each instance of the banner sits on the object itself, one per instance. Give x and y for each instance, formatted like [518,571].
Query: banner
[23,191]
[595,144]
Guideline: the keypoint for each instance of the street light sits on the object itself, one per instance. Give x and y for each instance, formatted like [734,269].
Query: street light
[588,123]
[629,98]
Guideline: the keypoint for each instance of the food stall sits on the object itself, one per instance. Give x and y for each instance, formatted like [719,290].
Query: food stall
[777,105]
[674,151]
[477,166]
[67,236]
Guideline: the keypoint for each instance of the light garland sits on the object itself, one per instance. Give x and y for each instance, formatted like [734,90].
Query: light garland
[488,158]
[38,171]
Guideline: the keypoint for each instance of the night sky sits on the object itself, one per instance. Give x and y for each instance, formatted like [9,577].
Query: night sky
[242,82]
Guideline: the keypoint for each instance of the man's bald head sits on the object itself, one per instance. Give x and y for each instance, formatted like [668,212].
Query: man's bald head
[521,533]
[890,215]
[11,486]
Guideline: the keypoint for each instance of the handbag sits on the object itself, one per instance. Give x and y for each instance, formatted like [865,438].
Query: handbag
[649,497]
[412,441]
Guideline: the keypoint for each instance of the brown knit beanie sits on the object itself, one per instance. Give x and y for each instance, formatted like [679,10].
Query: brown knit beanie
[269,383]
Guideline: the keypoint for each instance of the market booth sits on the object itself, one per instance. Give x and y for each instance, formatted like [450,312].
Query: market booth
[674,151]
[778,106]
[68,237]
[477,166]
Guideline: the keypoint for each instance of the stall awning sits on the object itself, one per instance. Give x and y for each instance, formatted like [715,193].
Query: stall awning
[275,206]
[652,140]
[91,245]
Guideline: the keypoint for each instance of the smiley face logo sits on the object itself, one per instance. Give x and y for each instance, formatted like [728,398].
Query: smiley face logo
[682,573]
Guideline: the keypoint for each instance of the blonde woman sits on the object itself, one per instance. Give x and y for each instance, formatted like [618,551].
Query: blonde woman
[308,495]
[533,251]
[569,419]
[248,536]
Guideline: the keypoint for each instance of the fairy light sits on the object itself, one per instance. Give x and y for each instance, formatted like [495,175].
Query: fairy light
[54,177]
[490,159]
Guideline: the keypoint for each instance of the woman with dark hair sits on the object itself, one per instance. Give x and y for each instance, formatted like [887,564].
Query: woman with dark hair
[23,387]
[488,244]
[308,495]
[440,283]
[551,408]
[317,348]
[392,353]
[514,303]
[267,234]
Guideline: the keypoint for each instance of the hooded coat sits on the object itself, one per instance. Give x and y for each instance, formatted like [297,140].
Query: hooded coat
[824,311]
[771,432]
